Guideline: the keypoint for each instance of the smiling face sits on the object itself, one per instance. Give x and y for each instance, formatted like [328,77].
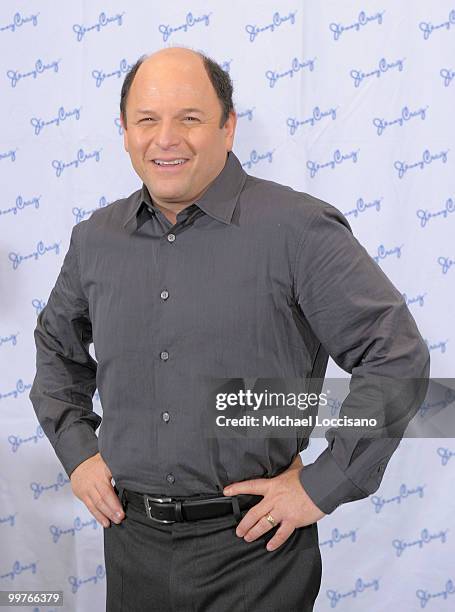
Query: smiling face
[173,113]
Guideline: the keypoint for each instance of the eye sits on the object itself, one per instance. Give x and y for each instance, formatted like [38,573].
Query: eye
[195,118]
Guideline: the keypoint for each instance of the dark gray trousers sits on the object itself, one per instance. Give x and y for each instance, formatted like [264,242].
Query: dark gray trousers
[202,566]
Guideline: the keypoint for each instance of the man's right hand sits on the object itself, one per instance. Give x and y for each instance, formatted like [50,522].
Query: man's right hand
[91,483]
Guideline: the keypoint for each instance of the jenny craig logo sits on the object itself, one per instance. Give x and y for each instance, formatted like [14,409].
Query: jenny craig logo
[38,488]
[434,346]
[406,115]
[428,28]
[38,305]
[383,66]
[361,206]
[38,124]
[296,66]
[81,158]
[425,538]
[360,587]
[362,20]
[447,74]
[403,493]
[78,525]
[277,20]
[425,215]
[190,21]
[427,158]
[446,263]
[9,519]
[17,391]
[100,76]
[81,213]
[11,154]
[337,159]
[17,441]
[383,253]
[103,21]
[339,536]
[41,249]
[40,67]
[21,204]
[17,569]
[446,454]
[415,299]
[316,116]
[18,21]
[76,582]
[425,596]
[256,157]
[11,338]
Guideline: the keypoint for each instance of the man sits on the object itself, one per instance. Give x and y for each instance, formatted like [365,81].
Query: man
[208,273]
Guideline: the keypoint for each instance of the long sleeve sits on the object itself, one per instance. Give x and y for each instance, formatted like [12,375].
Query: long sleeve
[364,324]
[65,379]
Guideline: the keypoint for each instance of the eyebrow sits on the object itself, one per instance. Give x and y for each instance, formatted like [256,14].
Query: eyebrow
[182,110]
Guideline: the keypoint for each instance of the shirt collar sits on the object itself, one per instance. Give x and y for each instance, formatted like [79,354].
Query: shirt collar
[218,201]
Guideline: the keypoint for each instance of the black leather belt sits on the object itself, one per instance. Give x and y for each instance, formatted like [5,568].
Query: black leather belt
[173,509]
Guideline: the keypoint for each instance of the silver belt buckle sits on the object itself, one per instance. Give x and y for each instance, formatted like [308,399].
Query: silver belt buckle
[161,500]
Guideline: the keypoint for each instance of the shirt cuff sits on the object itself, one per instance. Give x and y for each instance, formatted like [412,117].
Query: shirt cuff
[76,444]
[327,485]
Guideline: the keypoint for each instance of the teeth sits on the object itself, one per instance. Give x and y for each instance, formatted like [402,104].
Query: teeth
[161,162]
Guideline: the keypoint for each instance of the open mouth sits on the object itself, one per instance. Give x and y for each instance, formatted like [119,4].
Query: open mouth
[171,165]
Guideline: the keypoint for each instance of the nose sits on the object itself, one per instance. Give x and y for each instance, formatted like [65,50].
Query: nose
[167,134]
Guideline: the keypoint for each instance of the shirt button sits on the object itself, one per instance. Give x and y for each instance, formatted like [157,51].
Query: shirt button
[164,355]
[171,237]
[164,295]
[170,478]
[165,416]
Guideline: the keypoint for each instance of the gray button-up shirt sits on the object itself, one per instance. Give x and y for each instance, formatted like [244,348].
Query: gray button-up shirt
[254,280]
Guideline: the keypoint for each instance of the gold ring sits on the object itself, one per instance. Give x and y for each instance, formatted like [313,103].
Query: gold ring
[271,520]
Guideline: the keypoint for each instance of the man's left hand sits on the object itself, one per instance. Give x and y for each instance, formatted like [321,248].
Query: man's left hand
[284,498]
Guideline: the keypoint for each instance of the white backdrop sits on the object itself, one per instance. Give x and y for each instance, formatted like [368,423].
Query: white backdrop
[350,101]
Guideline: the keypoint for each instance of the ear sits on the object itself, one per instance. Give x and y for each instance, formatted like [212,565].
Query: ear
[229,130]
[125,134]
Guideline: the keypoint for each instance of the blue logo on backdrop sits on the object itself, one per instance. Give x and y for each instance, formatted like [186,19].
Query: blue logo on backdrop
[361,206]
[76,582]
[20,388]
[21,204]
[296,66]
[445,454]
[82,157]
[277,20]
[383,252]
[437,345]
[38,305]
[383,67]
[39,488]
[338,158]
[334,404]
[446,263]
[19,21]
[362,20]
[62,114]
[379,502]
[10,518]
[447,75]
[41,249]
[40,67]
[449,397]
[427,158]
[102,22]
[425,215]
[11,154]
[118,125]
[338,537]
[425,538]
[360,587]
[78,525]
[18,568]
[190,21]
[81,213]
[428,28]
[100,76]
[246,113]
[417,299]
[17,441]
[256,157]
[425,596]
[315,117]
[381,124]
[11,338]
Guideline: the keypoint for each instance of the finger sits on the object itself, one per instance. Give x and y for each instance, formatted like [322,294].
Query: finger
[257,486]
[282,534]
[100,517]
[261,527]
[100,504]
[110,498]
[253,515]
